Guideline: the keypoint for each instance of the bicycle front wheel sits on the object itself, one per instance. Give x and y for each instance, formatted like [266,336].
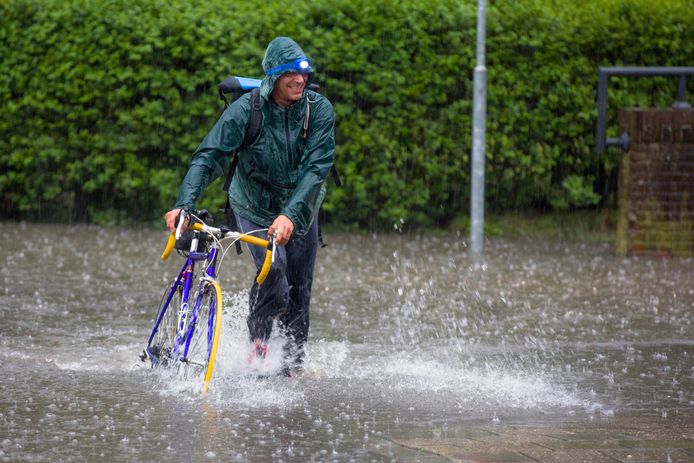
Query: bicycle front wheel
[204,333]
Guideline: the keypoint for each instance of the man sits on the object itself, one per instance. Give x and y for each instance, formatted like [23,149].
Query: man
[278,185]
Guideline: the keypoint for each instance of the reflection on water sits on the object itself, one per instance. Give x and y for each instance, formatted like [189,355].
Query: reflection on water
[409,337]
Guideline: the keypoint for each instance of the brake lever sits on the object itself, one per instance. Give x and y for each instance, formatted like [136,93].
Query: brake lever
[274,246]
[181,221]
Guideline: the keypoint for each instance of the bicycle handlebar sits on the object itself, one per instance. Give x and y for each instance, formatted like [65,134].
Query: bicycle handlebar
[265,269]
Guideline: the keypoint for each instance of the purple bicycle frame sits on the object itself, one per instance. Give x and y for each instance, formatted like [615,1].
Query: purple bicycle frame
[186,277]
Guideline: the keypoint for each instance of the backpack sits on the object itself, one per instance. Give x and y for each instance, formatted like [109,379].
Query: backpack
[237,86]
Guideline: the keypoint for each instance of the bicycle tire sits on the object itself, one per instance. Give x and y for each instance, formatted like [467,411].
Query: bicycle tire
[160,349]
[203,335]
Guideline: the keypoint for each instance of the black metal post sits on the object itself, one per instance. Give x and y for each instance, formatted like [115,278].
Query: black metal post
[601,142]
[681,94]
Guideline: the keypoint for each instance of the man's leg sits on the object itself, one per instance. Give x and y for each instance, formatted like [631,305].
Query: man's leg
[270,298]
[301,259]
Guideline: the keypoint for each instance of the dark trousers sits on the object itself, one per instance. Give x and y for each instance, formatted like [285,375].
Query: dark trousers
[286,292]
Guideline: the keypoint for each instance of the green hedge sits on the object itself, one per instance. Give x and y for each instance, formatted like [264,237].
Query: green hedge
[102,102]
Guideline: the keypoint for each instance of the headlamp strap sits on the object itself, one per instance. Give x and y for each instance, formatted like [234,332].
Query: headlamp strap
[298,65]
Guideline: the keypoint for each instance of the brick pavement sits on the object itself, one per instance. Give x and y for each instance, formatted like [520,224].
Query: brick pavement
[636,437]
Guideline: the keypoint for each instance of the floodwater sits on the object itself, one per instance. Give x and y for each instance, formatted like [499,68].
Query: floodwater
[410,338]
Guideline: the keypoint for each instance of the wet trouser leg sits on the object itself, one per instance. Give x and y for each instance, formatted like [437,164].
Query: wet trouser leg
[286,292]
[301,259]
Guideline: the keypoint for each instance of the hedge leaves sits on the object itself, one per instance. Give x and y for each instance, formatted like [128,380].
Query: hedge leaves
[102,102]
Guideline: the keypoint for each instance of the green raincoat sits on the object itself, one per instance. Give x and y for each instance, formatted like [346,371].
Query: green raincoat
[280,173]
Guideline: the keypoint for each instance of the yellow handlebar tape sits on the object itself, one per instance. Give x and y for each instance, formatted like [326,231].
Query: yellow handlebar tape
[255,240]
[265,269]
[247,238]
[169,246]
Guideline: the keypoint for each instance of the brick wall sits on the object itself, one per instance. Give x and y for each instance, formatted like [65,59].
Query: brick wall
[656,183]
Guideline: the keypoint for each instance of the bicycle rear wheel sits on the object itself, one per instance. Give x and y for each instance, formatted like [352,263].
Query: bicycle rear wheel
[161,343]
[203,335]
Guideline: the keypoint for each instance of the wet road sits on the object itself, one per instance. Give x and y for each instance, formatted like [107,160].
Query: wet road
[410,339]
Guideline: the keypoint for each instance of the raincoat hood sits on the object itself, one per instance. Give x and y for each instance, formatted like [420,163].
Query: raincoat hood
[281,50]
[283,171]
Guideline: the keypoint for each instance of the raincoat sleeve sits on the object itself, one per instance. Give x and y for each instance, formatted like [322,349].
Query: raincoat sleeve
[212,157]
[315,164]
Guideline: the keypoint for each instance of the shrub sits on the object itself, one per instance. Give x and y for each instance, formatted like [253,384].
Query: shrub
[103,102]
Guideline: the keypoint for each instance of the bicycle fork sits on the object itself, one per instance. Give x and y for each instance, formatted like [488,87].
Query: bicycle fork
[206,284]
[183,314]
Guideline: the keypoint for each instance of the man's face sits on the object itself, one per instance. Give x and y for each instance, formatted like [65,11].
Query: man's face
[288,88]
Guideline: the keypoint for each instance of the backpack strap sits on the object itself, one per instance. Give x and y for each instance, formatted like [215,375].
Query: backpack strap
[255,121]
[307,119]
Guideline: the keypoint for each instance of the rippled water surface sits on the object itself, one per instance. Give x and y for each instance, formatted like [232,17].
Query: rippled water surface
[410,337]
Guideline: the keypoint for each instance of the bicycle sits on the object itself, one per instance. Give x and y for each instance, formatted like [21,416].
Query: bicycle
[185,336]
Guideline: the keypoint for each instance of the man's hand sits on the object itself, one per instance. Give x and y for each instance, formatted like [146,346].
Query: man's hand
[284,228]
[171,218]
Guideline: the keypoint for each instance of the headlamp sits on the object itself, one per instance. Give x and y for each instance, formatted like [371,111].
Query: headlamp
[300,65]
